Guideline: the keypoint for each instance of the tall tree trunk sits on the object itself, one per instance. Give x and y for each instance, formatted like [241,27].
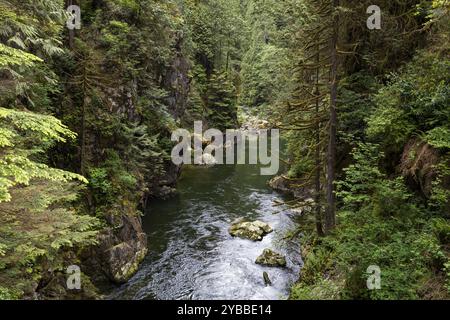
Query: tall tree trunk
[318,164]
[83,124]
[330,216]
[83,135]
[71,31]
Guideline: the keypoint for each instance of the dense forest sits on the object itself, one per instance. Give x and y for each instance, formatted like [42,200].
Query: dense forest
[86,117]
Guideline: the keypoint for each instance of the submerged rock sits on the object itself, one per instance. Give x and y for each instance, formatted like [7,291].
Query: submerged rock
[255,230]
[271,258]
[267,281]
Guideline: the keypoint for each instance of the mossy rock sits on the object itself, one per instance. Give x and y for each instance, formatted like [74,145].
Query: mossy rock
[271,258]
[254,231]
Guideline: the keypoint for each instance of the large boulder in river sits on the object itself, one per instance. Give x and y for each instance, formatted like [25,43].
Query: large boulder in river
[288,186]
[271,258]
[255,230]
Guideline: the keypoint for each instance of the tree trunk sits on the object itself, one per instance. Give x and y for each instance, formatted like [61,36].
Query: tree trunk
[83,125]
[71,31]
[317,155]
[330,216]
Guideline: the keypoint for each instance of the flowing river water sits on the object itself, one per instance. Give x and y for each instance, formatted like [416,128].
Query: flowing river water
[191,254]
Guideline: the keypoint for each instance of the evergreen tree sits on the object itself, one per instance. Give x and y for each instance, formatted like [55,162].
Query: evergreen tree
[221,103]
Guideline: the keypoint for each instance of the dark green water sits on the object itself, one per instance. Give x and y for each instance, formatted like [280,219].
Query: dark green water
[192,256]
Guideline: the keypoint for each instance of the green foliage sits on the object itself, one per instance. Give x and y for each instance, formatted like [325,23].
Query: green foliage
[214,37]
[415,102]
[300,153]
[111,183]
[32,25]
[221,104]
[24,135]
[117,93]
[439,137]
[38,222]
[401,114]
[440,193]
[35,223]
[324,289]
[101,185]
[261,77]
[215,31]
[7,294]
[357,188]
[381,224]
[355,103]
[30,34]
[37,227]
[195,108]
[10,57]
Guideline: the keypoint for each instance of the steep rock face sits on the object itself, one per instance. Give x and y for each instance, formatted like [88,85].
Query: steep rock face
[127,245]
[166,185]
[122,247]
[122,244]
[177,83]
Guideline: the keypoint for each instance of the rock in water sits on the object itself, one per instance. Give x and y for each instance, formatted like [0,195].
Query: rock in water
[271,258]
[250,230]
[267,281]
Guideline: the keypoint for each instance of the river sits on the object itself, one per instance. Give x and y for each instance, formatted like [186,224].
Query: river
[192,256]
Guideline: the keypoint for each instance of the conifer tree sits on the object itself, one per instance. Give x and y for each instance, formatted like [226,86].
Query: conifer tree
[309,118]
[221,103]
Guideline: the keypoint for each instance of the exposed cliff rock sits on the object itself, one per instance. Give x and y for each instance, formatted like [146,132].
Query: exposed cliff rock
[287,186]
[122,244]
[122,247]
[418,165]
[165,187]
[177,82]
